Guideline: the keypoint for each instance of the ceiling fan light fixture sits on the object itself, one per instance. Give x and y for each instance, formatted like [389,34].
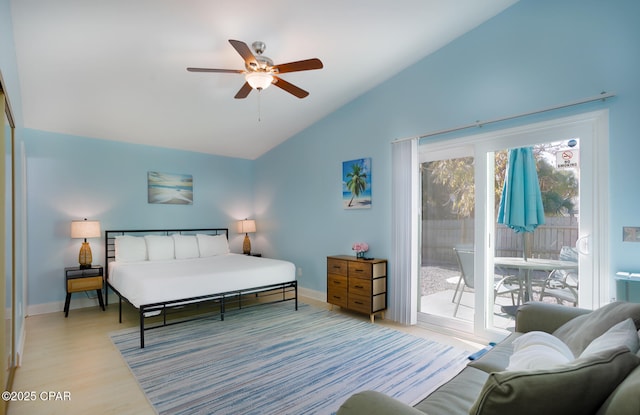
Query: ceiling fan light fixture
[259,80]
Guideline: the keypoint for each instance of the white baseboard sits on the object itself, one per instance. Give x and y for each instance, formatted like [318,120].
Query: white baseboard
[20,345]
[58,306]
[313,294]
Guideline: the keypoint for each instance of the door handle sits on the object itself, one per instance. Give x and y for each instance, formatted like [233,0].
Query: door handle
[583,245]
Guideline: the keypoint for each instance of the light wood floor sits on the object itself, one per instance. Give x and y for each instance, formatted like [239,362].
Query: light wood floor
[75,356]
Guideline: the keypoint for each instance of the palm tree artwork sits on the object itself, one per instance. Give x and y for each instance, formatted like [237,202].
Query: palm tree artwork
[356,189]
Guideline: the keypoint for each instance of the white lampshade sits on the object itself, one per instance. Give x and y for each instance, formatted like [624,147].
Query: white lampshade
[259,80]
[246,226]
[85,229]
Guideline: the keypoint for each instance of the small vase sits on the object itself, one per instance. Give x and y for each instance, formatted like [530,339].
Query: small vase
[359,254]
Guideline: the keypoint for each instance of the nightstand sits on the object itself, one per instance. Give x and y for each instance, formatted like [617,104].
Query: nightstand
[83,279]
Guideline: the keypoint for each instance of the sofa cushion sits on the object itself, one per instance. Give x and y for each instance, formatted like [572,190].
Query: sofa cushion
[539,350]
[456,396]
[625,399]
[623,333]
[496,359]
[579,387]
[374,403]
[582,330]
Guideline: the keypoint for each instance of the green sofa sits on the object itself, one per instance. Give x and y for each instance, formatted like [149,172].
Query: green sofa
[602,383]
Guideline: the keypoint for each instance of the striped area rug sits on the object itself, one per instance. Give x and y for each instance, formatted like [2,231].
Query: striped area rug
[271,359]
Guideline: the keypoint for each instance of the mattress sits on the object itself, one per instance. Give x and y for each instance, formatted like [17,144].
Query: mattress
[149,282]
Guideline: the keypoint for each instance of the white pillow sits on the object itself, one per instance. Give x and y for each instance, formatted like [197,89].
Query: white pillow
[539,350]
[159,247]
[211,245]
[130,248]
[186,246]
[622,334]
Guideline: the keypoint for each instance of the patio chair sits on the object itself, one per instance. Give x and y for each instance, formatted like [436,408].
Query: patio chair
[502,285]
[563,284]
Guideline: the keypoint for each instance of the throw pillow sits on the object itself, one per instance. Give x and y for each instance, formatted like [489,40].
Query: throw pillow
[623,333]
[130,248]
[186,246]
[579,387]
[211,245]
[538,350]
[160,248]
[579,332]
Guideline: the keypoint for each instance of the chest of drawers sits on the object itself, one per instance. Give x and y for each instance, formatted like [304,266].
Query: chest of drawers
[357,284]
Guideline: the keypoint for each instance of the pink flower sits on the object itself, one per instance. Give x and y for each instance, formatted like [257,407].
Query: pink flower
[360,247]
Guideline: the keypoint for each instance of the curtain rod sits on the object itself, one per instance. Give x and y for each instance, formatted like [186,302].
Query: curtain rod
[603,96]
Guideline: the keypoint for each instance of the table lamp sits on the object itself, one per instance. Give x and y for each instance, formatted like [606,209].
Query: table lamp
[246,226]
[84,229]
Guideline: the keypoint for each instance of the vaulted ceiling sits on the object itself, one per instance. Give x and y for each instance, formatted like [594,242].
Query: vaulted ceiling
[116,69]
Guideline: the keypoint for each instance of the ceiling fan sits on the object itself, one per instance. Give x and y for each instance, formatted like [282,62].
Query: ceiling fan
[260,72]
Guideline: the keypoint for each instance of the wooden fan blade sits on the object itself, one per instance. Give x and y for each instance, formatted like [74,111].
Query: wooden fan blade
[214,70]
[304,65]
[244,91]
[245,52]
[289,87]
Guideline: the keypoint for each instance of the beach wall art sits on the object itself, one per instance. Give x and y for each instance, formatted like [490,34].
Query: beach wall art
[356,184]
[169,188]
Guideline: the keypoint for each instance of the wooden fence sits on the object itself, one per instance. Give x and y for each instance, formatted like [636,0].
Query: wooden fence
[439,237]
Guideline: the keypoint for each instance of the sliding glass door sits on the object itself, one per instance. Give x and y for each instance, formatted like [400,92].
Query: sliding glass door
[473,272]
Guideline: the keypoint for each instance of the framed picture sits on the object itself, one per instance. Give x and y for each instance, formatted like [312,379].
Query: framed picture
[356,184]
[168,188]
[630,234]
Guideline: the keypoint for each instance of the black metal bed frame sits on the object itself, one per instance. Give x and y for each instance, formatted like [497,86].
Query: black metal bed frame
[174,306]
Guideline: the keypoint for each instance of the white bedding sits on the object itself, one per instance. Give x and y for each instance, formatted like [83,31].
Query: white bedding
[148,282]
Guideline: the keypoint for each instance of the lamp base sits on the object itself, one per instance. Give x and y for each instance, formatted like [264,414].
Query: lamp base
[85,257]
[246,245]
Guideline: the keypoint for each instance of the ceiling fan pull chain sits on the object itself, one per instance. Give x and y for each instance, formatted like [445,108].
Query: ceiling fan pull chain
[259,106]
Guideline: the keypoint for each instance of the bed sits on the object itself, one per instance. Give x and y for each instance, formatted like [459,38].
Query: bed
[177,275]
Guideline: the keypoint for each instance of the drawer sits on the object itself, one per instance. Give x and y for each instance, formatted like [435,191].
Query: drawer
[360,286]
[359,269]
[379,286]
[84,284]
[337,266]
[337,296]
[88,272]
[336,281]
[359,303]
[379,303]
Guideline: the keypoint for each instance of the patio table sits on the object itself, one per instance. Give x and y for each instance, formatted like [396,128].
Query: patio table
[533,264]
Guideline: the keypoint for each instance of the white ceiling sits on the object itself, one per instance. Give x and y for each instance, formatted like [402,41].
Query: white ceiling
[116,69]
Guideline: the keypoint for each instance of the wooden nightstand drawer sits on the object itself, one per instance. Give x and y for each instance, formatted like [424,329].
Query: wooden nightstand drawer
[84,284]
[337,266]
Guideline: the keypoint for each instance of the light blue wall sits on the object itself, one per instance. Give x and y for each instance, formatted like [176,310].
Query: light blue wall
[76,177]
[536,54]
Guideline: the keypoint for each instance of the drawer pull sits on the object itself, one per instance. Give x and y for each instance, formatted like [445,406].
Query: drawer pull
[337,267]
[359,270]
[336,297]
[358,286]
[359,302]
[337,282]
